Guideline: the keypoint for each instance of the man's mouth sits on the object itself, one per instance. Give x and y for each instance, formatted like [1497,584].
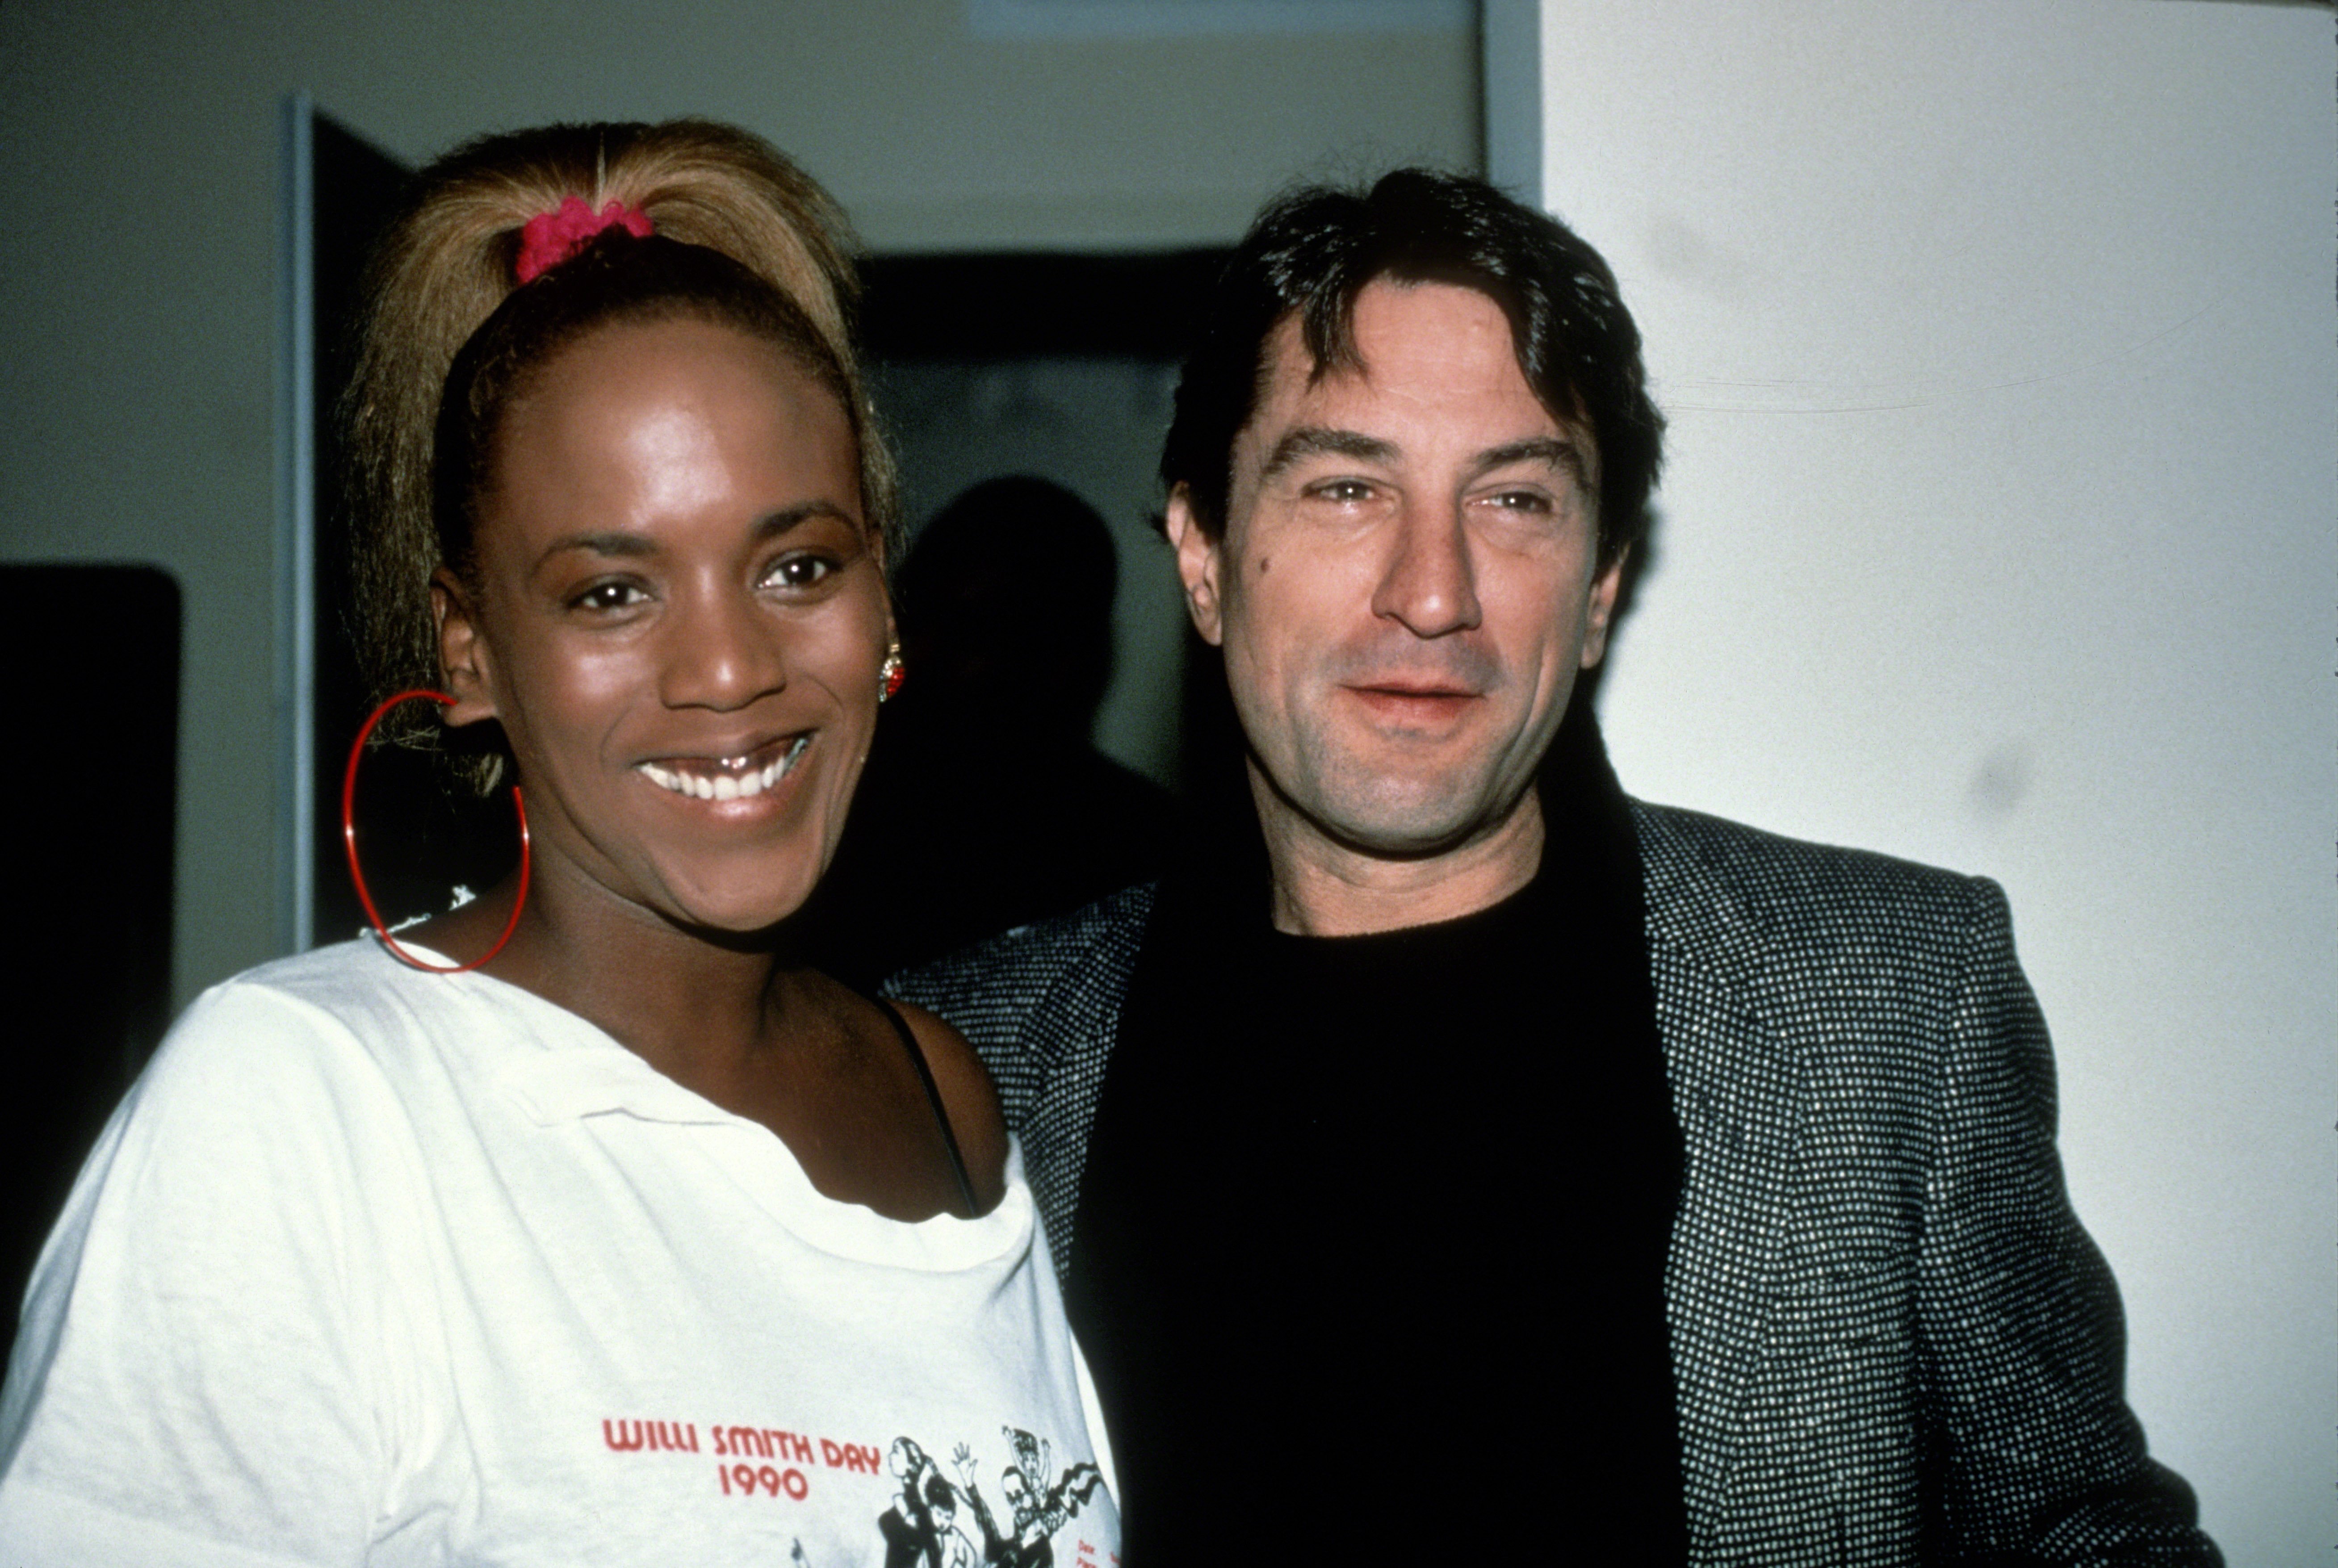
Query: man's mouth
[726,777]
[1407,707]
[1393,692]
[1383,688]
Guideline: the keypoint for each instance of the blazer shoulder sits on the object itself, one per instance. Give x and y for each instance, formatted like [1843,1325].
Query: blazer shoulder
[1080,962]
[1703,872]
[1041,1005]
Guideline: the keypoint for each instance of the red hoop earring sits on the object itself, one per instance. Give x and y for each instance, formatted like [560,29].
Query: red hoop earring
[349,842]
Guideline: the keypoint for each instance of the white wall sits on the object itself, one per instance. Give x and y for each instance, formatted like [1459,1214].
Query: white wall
[138,256]
[1997,342]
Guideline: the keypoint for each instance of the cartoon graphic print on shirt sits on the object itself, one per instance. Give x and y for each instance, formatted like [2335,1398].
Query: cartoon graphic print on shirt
[925,1527]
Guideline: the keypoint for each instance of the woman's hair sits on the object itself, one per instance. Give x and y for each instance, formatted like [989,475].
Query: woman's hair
[446,265]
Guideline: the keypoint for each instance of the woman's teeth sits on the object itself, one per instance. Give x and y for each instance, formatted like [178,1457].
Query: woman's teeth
[729,784]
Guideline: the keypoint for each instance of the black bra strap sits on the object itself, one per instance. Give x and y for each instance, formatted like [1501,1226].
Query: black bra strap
[933,1098]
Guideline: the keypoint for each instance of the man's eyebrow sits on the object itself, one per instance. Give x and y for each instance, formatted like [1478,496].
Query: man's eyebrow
[1556,451]
[1316,441]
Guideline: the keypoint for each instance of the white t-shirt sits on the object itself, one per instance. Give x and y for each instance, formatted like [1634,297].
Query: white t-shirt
[380,1266]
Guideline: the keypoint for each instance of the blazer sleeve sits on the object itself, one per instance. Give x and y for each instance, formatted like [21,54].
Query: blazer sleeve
[2022,1344]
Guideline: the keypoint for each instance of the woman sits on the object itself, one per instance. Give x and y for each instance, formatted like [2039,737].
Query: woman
[642,1241]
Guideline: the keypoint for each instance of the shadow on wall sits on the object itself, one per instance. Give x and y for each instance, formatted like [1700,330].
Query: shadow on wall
[1022,771]
[984,805]
[1063,365]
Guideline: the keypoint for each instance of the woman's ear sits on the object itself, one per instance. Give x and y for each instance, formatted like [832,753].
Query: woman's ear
[885,581]
[462,651]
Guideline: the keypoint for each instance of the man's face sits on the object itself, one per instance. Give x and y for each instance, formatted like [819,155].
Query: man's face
[1407,584]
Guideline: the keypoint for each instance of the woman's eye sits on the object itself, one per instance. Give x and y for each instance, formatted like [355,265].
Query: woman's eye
[799,571]
[609,596]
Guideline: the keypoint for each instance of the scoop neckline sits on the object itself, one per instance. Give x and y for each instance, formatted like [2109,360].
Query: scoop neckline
[941,1242]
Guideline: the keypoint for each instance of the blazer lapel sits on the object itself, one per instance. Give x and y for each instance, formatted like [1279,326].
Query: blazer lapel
[1737,1088]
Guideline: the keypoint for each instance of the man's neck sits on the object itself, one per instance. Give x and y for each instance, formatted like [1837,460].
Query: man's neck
[1326,889]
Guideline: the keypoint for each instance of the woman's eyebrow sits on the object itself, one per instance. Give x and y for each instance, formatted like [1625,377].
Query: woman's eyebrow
[635,546]
[613,542]
[789,517]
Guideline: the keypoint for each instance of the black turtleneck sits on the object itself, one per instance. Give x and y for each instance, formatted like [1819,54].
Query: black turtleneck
[1373,1230]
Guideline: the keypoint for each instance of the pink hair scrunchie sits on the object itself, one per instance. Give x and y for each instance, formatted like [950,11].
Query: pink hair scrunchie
[551,237]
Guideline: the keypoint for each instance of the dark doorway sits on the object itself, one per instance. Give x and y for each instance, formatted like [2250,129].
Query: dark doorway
[1062,365]
[1025,768]
[86,914]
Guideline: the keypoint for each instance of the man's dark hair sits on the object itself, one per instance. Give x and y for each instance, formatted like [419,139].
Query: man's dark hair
[1314,249]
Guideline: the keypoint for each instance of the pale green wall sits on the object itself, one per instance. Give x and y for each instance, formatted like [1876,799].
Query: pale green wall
[139,238]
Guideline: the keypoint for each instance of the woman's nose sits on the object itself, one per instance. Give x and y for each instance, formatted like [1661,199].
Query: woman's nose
[722,651]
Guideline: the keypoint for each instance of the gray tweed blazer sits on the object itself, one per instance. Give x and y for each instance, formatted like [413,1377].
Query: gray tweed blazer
[1892,1341]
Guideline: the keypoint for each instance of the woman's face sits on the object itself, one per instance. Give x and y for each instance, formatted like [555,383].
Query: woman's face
[679,620]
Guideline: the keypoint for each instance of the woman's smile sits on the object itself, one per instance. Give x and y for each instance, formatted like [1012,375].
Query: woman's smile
[739,778]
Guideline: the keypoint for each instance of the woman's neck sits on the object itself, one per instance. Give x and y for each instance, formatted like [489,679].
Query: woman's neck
[694,1006]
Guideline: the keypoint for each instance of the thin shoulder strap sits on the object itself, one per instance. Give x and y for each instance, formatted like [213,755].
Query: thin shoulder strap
[934,1098]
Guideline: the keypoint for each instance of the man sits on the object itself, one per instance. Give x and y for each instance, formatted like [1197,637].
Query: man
[1452,1159]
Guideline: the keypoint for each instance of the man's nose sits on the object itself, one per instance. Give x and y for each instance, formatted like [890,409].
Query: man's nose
[1430,583]
[722,651]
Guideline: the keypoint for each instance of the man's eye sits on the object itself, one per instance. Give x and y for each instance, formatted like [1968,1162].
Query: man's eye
[1343,491]
[609,596]
[1534,502]
[798,571]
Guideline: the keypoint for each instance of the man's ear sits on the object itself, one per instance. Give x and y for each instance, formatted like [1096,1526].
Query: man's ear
[462,651]
[1199,563]
[1599,615]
